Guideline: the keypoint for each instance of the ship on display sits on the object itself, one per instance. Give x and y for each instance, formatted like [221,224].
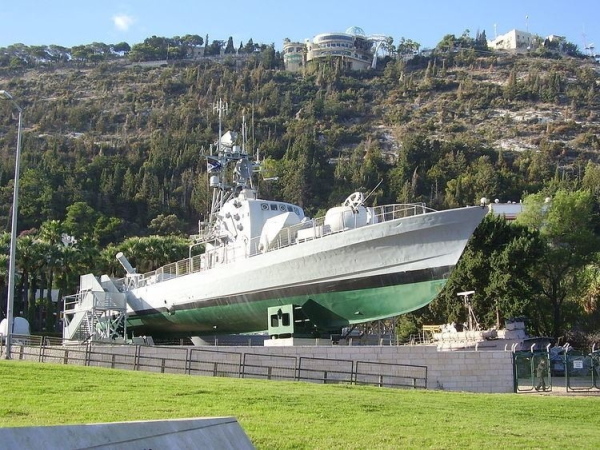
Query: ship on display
[266,266]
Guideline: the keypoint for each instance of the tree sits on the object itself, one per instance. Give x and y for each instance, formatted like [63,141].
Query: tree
[481,41]
[465,41]
[192,40]
[80,220]
[511,88]
[250,47]
[165,225]
[215,48]
[4,253]
[305,169]
[389,46]
[566,223]
[36,193]
[83,221]
[145,253]
[229,48]
[408,47]
[267,57]
[498,265]
[81,53]
[591,179]
[122,47]
[51,238]
[58,53]
[448,43]
[571,49]
[28,259]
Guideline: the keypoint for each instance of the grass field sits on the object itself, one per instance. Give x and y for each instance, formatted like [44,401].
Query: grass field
[295,415]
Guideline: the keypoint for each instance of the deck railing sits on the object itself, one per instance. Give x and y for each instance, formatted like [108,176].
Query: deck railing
[286,237]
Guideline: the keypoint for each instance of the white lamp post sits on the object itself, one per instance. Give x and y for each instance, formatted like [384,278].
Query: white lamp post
[13,236]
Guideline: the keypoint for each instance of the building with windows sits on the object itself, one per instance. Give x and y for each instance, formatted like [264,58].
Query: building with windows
[515,40]
[353,48]
[293,55]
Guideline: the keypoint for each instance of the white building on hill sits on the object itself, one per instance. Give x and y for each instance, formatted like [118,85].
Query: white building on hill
[514,40]
[353,48]
[509,211]
[293,55]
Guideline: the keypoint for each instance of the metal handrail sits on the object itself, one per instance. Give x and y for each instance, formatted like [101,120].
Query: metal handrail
[285,238]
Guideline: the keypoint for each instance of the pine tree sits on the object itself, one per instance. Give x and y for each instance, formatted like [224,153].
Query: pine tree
[229,48]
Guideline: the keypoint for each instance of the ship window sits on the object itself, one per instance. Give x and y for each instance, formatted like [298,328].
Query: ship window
[296,210]
[289,208]
[285,320]
[264,206]
[282,207]
[274,321]
[273,207]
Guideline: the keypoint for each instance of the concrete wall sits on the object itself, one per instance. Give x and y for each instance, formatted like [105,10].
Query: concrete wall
[483,371]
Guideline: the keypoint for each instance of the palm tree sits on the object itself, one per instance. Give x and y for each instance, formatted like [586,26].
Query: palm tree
[51,234]
[36,269]
[4,250]
[26,257]
[107,262]
[148,253]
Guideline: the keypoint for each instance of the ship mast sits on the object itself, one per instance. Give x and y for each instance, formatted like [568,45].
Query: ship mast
[227,182]
[222,109]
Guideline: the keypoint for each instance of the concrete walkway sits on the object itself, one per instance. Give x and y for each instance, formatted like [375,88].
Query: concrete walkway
[198,433]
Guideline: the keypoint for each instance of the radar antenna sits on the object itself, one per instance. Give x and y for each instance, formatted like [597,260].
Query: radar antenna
[473,323]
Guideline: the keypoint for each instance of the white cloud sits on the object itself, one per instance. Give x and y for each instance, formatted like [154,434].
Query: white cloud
[122,21]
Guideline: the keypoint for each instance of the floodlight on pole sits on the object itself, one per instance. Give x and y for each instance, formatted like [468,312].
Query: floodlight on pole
[470,313]
[13,234]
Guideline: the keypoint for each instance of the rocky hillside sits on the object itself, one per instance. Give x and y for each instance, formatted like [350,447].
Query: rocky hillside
[445,129]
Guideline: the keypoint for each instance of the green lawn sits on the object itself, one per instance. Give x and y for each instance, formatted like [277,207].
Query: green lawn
[286,415]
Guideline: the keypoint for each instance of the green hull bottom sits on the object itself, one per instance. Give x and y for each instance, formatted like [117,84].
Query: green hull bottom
[330,311]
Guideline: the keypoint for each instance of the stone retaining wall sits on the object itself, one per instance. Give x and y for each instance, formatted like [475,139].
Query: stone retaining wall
[483,371]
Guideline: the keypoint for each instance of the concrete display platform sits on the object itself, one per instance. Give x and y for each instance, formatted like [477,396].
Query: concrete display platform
[296,342]
[206,433]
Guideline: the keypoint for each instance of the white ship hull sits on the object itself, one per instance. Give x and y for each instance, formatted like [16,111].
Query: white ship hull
[363,274]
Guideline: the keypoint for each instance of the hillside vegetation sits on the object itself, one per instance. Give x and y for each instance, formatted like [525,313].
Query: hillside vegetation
[111,150]
[126,139]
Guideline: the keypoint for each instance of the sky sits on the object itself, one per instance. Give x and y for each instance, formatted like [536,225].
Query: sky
[77,22]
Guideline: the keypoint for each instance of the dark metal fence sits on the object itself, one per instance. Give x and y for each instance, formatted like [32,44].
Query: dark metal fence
[216,363]
[322,370]
[532,371]
[582,371]
[391,375]
[269,367]
[545,371]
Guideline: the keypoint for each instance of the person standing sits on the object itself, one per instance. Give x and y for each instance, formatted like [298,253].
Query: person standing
[541,370]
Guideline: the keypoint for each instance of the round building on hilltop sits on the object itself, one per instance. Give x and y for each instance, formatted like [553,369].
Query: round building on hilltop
[353,48]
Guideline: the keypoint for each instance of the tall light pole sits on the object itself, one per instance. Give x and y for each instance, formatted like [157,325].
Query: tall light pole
[13,235]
